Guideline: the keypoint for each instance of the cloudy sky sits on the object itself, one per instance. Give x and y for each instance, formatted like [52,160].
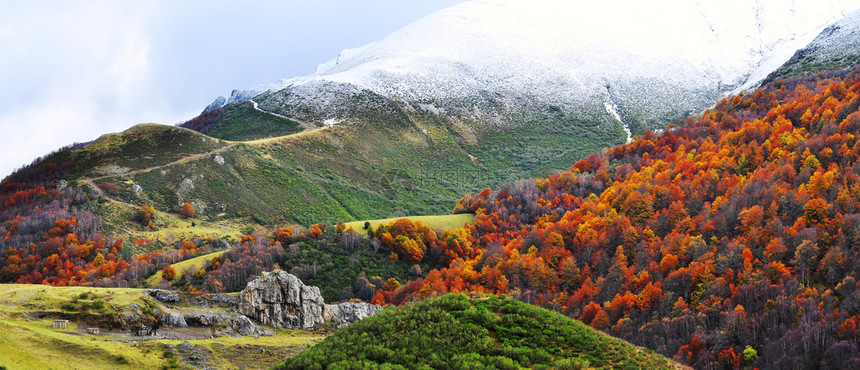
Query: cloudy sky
[73,70]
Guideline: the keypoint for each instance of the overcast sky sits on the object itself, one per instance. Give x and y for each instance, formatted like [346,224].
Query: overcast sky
[73,70]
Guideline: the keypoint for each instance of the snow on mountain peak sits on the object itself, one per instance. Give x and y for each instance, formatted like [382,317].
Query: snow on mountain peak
[571,53]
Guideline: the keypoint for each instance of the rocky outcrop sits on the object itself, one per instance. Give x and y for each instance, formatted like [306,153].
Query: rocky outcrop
[214,300]
[279,299]
[206,319]
[244,326]
[343,313]
[165,296]
[174,319]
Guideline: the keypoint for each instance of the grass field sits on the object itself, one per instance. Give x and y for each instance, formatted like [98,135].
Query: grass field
[33,345]
[444,222]
[28,342]
[198,261]
[17,298]
[119,218]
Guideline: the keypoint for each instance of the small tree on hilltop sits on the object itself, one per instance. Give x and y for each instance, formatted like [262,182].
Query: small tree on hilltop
[145,214]
[186,210]
[168,273]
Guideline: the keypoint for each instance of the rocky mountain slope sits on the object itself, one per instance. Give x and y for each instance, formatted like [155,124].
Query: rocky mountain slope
[835,48]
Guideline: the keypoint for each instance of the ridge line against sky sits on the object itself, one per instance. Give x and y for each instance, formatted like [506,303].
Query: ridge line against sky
[72,71]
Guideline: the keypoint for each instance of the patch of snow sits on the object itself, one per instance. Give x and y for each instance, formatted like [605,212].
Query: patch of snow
[432,109]
[612,109]
[331,122]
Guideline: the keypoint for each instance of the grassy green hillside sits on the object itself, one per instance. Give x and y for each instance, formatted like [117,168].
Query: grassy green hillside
[361,171]
[456,331]
[139,147]
[240,121]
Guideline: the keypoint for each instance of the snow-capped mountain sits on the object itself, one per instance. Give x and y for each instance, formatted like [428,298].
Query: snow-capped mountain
[501,62]
[834,48]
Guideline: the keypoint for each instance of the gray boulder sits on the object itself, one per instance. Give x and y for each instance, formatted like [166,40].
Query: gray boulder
[244,326]
[344,313]
[174,319]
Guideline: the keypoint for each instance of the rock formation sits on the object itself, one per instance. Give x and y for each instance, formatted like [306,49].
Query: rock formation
[174,319]
[165,296]
[343,313]
[279,299]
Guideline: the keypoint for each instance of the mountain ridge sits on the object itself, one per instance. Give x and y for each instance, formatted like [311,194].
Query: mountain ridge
[513,59]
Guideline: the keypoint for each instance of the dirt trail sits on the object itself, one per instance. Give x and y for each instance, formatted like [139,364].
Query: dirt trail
[304,124]
[147,169]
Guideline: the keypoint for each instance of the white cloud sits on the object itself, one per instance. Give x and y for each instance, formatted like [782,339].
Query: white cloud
[70,72]
[73,70]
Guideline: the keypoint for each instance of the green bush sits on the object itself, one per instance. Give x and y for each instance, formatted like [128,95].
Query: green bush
[455,331]
[750,356]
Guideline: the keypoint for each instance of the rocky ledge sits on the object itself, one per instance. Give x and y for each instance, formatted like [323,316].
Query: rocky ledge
[279,299]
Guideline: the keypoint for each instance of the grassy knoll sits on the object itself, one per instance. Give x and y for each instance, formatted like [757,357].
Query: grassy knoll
[141,146]
[199,262]
[456,331]
[444,222]
[31,345]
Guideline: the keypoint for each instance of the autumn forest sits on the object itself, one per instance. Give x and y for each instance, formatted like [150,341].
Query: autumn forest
[730,239]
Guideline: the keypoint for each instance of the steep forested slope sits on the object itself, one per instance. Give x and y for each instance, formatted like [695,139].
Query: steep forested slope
[736,229]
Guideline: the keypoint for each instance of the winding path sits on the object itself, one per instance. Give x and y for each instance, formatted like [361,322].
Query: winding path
[180,160]
[304,124]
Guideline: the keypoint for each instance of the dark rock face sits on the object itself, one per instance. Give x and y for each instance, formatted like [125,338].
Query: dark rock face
[281,300]
[165,296]
[206,319]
